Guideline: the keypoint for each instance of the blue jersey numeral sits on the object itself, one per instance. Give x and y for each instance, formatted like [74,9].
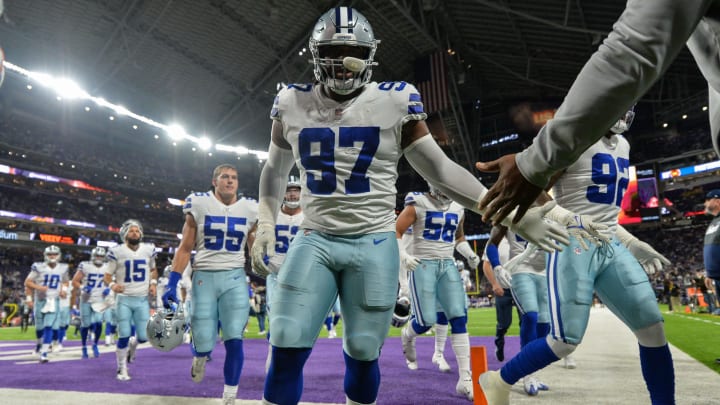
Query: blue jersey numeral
[95,280]
[284,234]
[611,178]
[324,162]
[135,270]
[440,225]
[51,281]
[222,232]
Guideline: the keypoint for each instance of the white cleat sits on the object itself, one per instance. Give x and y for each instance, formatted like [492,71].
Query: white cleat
[332,334]
[44,358]
[569,362]
[197,371]
[497,391]
[464,386]
[408,346]
[530,384]
[542,386]
[439,360]
[58,348]
[186,338]
[228,399]
[122,374]
[108,341]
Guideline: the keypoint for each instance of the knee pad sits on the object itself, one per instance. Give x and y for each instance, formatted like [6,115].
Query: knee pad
[560,348]
[458,325]
[652,336]
[363,347]
[287,332]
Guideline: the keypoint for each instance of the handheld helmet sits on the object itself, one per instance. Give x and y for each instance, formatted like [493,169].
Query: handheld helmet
[165,329]
[460,265]
[293,182]
[343,26]
[439,195]
[97,255]
[167,271]
[401,313]
[623,124]
[51,254]
[125,228]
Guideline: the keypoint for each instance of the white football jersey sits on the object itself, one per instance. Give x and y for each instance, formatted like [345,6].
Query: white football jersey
[51,277]
[347,153]
[132,268]
[595,184]
[434,227]
[186,282]
[221,230]
[93,278]
[286,227]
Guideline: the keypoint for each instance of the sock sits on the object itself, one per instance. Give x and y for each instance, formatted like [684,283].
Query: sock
[417,329]
[543,329]
[55,335]
[98,331]
[328,323]
[47,336]
[528,328]
[234,358]
[659,374]
[460,343]
[284,381]
[123,342]
[441,333]
[132,330]
[61,334]
[336,319]
[532,357]
[83,336]
[362,380]
[230,390]
[121,357]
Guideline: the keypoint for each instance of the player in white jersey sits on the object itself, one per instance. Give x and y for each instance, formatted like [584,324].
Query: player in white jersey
[287,226]
[594,185]
[346,135]
[524,276]
[132,266]
[437,224]
[49,280]
[88,284]
[217,226]
[643,42]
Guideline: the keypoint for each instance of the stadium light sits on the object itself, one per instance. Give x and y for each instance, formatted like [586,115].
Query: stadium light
[176,132]
[67,88]
[204,143]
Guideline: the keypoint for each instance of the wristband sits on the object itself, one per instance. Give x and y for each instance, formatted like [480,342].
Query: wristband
[491,251]
[153,282]
[28,298]
[110,286]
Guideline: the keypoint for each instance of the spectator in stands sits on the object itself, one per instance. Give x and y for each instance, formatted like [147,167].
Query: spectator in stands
[711,250]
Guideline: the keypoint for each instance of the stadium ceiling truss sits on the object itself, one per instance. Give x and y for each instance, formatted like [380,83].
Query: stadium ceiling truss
[214,66]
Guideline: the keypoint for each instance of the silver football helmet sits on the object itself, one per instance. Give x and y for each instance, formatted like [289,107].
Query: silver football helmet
[342,26]
[623,124]
[401,313]
[167,271]
[53,251]
[97,255]
[438,195]
[165,329]
[125,228]
[293,182]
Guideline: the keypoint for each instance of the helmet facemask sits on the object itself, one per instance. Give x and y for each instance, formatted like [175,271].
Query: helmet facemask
[623,124]
[439,195]
[98,256]
[346,27]
[51,254]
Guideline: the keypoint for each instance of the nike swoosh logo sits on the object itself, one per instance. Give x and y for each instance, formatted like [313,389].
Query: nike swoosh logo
[379,241]
[235,278]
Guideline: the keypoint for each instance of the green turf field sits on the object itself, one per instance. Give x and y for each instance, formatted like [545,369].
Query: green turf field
[694,334]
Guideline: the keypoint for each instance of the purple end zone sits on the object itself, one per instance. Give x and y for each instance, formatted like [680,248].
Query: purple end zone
[158,373]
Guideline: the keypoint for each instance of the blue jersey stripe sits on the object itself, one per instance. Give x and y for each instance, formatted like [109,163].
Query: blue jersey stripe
[415,109]
[415,97]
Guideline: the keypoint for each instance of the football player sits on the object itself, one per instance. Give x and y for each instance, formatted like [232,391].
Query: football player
[643,42]
[287,225]
[88,283]
[216,225]
[594,186]
[49,280]
[437,224]
[63,319]
[132,266]
[346,135]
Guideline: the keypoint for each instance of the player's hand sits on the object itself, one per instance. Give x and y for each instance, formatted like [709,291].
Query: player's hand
[509,191]
[473,261]
[263,248]
[153,290]
[498,291]
[170,295]
[581,227]
[650,259]
[502,276]
[408,261]
[87,289]
[533,227]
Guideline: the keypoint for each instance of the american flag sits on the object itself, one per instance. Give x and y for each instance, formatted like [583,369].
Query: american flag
[431,81]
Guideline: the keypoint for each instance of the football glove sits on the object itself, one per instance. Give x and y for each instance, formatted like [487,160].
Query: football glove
[581,227]
[263,248]
[464,249]
[170,296]
[650,259]
[502,276]
[408,261]
[533,228]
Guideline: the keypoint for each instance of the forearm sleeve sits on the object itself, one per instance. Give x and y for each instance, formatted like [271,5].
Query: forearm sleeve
[493,256]
[644,41]
[273,182]
[464,249]
[426,157]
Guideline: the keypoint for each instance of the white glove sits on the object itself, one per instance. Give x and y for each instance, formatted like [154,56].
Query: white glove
[534,229]
[513,263]
[581,227]
[473,261]
[263,248]
[464,249]
[408,261]
[502,276]
[650,259]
